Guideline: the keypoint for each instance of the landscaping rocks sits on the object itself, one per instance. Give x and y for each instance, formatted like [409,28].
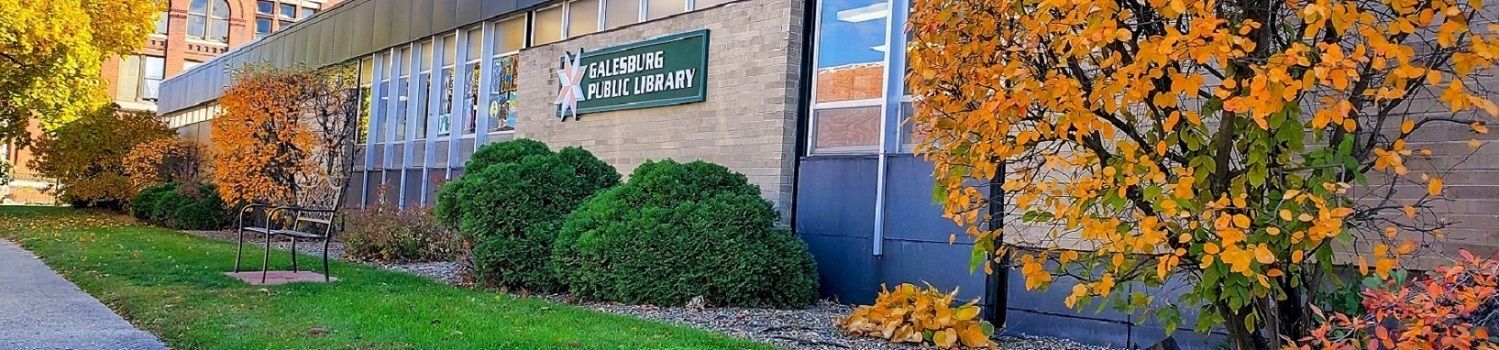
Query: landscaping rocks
[810,328]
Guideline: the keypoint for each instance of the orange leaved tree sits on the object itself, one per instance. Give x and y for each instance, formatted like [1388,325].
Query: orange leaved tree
[1223,144]
[281,130]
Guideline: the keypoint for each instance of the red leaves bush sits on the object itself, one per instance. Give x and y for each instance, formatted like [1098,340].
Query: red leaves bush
[1438,311]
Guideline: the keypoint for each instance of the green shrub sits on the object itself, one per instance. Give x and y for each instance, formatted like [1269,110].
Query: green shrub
[143,206]
[510,202]
[391,235]
[184,206]
[675,231]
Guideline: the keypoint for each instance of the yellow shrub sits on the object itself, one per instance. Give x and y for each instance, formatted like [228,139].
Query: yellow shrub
[912,315]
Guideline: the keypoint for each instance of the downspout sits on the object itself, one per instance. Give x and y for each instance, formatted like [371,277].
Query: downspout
[894,79]
[996,284]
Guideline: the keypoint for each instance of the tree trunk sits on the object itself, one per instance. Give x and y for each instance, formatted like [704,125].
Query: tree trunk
[1239,335]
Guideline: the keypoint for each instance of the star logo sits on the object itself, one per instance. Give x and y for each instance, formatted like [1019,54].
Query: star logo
[571,77]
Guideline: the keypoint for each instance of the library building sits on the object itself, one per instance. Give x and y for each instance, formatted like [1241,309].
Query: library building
[804,97]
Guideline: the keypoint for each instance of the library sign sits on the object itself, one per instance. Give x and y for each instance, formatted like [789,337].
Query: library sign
[664,71]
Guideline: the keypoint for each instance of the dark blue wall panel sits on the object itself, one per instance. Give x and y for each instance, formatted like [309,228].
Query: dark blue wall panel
[835,197]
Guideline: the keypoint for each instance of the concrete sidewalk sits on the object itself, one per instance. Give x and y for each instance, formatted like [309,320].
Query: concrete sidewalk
[41,310]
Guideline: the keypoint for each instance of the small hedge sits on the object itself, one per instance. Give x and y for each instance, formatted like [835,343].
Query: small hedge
[183,206]
[391,235]
[675,231]
[510,202]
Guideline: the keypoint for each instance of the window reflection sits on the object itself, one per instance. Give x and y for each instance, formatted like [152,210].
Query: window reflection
[851,45]
[847,129]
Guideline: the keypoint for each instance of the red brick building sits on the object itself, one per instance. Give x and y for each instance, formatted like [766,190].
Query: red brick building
[188,33]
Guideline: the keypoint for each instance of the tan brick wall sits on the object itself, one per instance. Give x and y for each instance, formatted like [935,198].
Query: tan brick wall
[747,123]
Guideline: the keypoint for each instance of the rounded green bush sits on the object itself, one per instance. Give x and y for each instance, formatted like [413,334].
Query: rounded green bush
[511,151]
[510,204]
[675,231]
[186,206]
[143,206]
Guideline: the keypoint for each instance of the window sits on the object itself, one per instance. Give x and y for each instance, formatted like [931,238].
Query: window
[621,13]
[510,35]
[189,64]
[548,26]
[265,7]
[127,88]
[445,100]
[509,38]
[152,73]
[502,98]
[848,86]
[208,20]
[366,82]
[308,12]
[403,61]
[288,11]
[424,83]
[262,27]
[582,17]
[471,72]
[161,23]
[662,8]
[140,76]
[846,129]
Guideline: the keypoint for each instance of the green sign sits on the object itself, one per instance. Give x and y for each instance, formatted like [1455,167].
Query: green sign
[669,70]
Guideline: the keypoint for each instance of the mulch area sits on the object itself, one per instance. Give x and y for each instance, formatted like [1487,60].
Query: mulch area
[810,328]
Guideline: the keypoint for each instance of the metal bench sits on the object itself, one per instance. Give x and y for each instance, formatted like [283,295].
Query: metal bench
[296,223]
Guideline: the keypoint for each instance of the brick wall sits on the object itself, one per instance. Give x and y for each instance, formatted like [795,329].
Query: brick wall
[747,123]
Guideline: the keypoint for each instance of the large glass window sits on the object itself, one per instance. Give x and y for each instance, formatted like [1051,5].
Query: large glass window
[619,13]
[661,8]
[472,70]
[366,84]
[402,96]
[265,7]
[548,26]
[445,100]
[502,98]
[582,17]
[848,87]
[847,129]
[424,85]
[208,20]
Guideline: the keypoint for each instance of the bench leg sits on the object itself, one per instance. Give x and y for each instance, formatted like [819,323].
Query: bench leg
[239,251]
[265,264]
[293,254]
[326,275]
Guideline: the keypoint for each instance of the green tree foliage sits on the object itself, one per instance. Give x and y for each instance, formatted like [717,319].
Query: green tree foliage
[675,231]
[87,155]
[50,53]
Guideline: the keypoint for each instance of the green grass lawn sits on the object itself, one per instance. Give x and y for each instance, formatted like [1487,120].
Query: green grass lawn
[172,284]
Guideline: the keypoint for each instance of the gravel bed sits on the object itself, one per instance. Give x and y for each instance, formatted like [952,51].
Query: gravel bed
[812,328]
